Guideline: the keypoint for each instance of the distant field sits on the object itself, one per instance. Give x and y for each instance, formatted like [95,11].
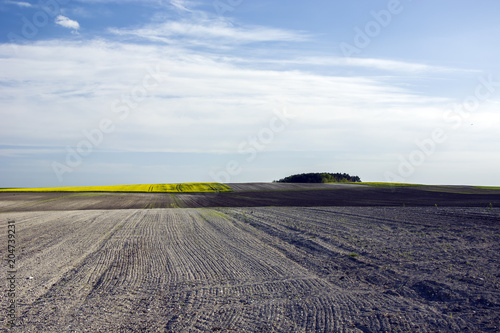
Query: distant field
[253,195]
[384,184]
[162,188]
[381,184]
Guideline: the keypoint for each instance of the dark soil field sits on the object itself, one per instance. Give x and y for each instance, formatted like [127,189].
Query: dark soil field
[265,258]
[259,195]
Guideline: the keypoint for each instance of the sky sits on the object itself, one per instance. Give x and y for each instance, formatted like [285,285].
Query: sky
[105,92]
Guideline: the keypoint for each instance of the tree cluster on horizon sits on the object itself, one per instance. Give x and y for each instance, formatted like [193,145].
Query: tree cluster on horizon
[320,177]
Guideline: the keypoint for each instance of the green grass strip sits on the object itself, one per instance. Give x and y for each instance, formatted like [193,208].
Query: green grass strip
[488,187]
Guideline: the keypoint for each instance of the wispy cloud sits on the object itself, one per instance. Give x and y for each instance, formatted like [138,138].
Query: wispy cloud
[393,65]
[371,63]
[19,3]
[231,100]
[181,4]
[210,101]
[211,33]
[67,22]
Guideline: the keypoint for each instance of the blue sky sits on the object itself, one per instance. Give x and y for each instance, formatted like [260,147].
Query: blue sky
[105,92]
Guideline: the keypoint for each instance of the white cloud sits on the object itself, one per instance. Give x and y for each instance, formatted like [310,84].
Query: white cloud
[53,91]
[67,22]
[211,33]
[370,63]
[181,4]
[19,3]
[203,104]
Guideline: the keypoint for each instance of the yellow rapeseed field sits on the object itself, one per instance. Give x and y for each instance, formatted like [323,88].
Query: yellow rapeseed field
[183,187]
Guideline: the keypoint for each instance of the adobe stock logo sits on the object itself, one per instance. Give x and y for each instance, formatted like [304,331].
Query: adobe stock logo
[95,137]
[253,145]
[30,27]
[453,115]
[372,29]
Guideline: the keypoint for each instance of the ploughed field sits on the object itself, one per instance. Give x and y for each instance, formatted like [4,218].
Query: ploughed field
[255,195]
[324,268]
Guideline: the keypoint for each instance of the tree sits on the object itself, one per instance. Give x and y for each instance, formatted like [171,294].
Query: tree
[323,177]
